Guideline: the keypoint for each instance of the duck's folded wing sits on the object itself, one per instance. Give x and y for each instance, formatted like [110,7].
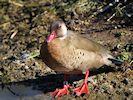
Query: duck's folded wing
[84,43]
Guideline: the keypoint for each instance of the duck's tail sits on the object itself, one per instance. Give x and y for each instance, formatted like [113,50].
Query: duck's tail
[115,61]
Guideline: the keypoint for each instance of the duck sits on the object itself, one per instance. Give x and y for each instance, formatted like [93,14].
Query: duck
[69,52]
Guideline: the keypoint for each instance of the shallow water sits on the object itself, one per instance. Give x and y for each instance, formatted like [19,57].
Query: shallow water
[22,92]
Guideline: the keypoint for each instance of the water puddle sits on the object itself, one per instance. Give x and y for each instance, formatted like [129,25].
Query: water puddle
[22,92]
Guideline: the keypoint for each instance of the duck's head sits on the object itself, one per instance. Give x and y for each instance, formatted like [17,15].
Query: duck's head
[58,30]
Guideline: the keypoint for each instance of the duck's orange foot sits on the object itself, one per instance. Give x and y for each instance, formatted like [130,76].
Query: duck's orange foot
[60,92]
[81,90]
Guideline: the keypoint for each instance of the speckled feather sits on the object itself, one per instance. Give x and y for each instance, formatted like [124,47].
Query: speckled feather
[75,53]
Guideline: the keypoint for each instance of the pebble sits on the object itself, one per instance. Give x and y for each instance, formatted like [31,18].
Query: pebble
[26,67]
[125,81]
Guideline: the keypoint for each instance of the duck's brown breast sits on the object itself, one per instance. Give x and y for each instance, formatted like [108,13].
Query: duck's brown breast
[72,58]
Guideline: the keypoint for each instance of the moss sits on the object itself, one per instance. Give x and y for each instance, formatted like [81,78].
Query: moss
[125,56]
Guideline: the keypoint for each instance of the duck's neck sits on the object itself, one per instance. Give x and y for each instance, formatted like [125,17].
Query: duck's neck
[62,38]
[65,34]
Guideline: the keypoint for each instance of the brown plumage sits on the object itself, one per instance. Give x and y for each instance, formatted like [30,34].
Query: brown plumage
[69,52]
[73,52]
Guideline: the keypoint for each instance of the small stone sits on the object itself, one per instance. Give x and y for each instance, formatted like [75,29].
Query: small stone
[26,67]
[125,81]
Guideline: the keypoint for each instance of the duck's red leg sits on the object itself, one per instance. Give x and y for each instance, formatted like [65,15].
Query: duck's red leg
[84,87]
[59,92]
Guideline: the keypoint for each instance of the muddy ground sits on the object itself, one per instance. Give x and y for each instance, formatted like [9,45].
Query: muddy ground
[25,24]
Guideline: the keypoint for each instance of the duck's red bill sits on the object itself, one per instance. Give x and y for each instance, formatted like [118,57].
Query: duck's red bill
[51,36]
